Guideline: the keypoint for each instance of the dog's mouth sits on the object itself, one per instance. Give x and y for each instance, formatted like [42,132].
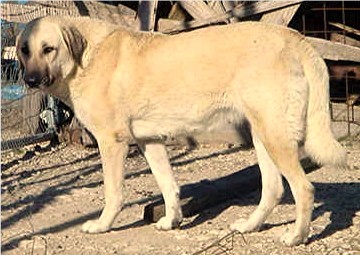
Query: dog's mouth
[33,83]
[47,82]
[39,81]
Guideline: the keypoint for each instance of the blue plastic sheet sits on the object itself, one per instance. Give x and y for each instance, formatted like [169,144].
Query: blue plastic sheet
[12,92]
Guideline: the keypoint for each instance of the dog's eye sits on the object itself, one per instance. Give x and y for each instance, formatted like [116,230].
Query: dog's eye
[25,50]
[48,49]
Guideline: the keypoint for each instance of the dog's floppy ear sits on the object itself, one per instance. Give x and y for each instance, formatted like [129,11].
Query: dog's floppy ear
[18,54]
[75,43]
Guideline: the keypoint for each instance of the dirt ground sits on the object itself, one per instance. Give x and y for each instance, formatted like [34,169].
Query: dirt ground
[48,192]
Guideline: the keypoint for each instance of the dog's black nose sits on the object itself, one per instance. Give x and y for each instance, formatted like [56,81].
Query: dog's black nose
[32,81]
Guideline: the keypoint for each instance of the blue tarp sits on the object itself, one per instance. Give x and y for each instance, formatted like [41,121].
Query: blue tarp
[12,92]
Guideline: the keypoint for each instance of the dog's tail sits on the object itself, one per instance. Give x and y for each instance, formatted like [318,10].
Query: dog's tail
[320,143]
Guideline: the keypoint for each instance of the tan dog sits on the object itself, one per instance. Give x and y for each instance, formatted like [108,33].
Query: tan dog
[130,85]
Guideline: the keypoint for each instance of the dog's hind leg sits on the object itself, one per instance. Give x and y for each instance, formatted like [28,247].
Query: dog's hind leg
[284,153]
[272,190]
[157,158]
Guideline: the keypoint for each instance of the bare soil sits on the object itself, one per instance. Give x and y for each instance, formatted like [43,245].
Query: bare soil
[47,193]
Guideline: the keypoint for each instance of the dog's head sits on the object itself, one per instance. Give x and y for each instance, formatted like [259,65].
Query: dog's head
[49,51]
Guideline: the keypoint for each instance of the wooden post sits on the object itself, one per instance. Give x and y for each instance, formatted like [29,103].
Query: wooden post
[146,15]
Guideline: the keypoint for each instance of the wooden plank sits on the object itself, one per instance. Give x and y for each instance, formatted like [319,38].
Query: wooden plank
[346,28]
[229,5]
[335,37]
[282,16]
[198,9]
[177,12]
[120,14]
[221,7]
[197,197]
[261,7]
[240,11]
[23,13]
[168,24]
[217,6]
[335,51]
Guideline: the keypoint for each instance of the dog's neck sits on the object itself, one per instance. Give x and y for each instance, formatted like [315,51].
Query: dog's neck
[60,91]
[63,89]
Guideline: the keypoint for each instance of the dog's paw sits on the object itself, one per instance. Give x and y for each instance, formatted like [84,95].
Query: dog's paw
[291,239]
[94,226]
[244,226]
[166,223]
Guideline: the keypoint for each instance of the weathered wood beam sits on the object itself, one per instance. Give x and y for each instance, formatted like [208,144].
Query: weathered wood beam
[168,24]
[335,51]
[229,5]
[282,16]
[23,13]
[240,11]
[217,6]
[346,28]
[177,12]
[199,10]
[260,7]
[221,7]
[335,37]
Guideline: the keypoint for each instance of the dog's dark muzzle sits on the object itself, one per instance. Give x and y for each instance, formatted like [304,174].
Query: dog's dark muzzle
[35,79]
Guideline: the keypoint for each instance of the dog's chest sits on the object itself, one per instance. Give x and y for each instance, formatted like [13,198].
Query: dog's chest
[90,114]
[172,125]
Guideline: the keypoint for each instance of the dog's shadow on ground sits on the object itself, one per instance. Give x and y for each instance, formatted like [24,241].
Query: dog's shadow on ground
[339,199]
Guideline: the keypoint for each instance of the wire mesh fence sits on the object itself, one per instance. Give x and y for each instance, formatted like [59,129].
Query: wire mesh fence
[339,22]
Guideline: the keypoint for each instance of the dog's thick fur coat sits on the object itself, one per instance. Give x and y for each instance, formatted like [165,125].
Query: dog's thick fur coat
[145,86]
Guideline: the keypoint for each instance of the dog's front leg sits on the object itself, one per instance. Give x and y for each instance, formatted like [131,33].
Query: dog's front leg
[113,154]
[157,158]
